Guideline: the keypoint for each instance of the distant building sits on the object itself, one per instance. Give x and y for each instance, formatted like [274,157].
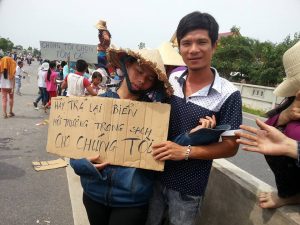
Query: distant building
[226,34]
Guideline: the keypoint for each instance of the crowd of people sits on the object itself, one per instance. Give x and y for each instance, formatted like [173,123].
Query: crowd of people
[199,98]
[60,79]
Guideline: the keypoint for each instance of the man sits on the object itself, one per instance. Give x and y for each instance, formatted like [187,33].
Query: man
[76,82]
[198,92]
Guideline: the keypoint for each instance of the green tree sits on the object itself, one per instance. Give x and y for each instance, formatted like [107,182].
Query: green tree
[261,62]
[235,30]
[36,52]
[269,68]
[19,47]
[5,44]
[141,45]
[234,54]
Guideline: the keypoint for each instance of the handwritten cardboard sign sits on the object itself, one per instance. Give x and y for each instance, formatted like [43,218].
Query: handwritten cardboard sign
[121,131]
[65,51]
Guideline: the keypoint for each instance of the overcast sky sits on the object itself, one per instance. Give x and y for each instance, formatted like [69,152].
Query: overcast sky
[131,22]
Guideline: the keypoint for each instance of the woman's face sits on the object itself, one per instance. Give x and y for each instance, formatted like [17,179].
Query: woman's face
[141,77]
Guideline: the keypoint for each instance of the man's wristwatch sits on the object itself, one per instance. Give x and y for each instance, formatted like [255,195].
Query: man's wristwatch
[187,153]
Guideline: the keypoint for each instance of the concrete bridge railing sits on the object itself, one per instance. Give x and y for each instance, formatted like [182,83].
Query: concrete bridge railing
[231,199]
[258,97]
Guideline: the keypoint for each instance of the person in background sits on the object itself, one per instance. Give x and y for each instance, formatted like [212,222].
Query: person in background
[7,83]
[43,94]
[60,77]
[104,37]
[95,84]
[66,70]
[76,83]
[29,59]
[61,72]
[199,91]
[19,76]
[51,85]
[15,56]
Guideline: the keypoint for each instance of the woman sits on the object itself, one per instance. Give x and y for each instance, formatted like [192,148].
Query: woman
[286,118]
[51,83]
[7,83]
[115,194]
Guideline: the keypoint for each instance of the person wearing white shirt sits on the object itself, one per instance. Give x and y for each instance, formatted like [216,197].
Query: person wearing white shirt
[42,85]
[19,75]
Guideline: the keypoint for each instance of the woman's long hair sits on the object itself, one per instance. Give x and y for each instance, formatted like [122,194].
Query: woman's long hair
[282,106]
[52,65]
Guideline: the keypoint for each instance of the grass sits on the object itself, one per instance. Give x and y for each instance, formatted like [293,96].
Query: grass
[257,112]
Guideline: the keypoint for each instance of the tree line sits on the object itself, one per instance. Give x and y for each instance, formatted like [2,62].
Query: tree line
[7,46]
[250,60]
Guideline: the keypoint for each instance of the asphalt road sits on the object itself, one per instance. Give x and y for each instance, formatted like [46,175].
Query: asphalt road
[253,163]
[28,197]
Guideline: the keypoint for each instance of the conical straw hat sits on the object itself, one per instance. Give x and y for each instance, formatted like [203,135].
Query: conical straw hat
[149,57]
[291,62]
[101,25]
[169,55]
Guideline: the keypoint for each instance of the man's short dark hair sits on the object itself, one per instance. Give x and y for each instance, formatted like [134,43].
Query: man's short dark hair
[81,65]
[197,20]
[63,63]
[20,63]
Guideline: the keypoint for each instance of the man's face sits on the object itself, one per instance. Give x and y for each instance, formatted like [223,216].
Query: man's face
[196,49]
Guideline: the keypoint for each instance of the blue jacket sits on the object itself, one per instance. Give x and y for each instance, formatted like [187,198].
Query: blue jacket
[114,186]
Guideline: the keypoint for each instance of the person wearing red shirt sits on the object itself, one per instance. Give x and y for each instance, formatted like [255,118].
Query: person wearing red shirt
[76,83]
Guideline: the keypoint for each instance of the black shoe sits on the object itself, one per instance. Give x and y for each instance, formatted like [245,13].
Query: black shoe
[35,104]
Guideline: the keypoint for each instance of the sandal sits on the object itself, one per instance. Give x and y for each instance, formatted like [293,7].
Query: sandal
[5,116]
[11,114]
